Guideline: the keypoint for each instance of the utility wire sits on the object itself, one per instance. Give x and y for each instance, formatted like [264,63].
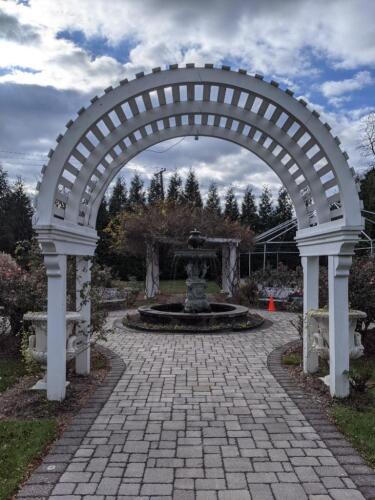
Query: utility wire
[167,149]
[23,154]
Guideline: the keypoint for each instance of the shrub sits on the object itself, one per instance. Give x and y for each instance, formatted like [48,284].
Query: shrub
[279,277]
[361,287]
[20,291]
[248,292]
[358,377]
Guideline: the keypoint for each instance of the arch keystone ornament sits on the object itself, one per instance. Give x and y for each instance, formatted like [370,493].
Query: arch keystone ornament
[213,102]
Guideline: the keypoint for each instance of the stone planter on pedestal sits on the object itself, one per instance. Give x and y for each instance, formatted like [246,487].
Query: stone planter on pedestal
[318,320]
[38,341]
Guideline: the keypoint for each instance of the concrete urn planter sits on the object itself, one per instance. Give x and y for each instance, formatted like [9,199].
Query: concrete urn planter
[38,341]
[318,320]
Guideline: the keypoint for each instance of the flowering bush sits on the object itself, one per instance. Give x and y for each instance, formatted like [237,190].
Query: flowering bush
[20,290]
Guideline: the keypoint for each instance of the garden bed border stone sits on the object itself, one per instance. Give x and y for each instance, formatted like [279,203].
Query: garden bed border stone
[358,471]
[44,478]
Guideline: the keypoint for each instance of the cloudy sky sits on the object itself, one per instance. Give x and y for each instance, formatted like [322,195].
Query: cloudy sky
[56,54]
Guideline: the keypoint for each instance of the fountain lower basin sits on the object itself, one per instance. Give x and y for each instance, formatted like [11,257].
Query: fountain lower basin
[169,314]
[172,318]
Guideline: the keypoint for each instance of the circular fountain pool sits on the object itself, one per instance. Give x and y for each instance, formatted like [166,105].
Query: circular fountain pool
[174,313]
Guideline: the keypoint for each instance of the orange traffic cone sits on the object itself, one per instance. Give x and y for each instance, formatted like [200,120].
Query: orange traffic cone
[271,305]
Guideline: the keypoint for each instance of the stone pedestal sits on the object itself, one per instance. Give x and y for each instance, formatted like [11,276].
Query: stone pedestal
[196,300]
[38,341]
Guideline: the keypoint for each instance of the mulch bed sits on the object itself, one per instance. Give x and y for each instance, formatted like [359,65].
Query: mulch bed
[19,402]
[310,384]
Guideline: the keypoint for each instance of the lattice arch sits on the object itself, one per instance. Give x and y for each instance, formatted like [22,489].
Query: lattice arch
[207,101]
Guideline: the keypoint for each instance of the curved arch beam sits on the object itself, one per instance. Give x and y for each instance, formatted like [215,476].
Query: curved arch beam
[219,109]
[200,76]
[209,131]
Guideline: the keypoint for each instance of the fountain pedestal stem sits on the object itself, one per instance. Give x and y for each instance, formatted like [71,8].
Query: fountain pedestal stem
[196,300]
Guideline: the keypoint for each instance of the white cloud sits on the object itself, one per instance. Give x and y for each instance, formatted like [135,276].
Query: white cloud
[336,88]
[282,39]
[274,37]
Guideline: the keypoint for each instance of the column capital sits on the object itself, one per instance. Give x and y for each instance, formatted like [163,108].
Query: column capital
[55,265]
[341,265]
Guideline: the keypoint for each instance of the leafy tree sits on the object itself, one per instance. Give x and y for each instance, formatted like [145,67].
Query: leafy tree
[213,201]
[133,229]
[137,195]
[284,207]
[249,214]
[174,193]
[266,213]
[231,211]
[156,190]
[118,200]
[192,195]
[367,195]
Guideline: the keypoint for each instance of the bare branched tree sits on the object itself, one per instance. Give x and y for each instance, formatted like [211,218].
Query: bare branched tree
[367,145]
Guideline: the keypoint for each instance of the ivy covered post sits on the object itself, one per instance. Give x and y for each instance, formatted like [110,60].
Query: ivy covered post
[152,284]
[230,267]
[83,306]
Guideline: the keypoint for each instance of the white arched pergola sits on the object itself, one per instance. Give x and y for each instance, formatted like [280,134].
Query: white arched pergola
[205,101]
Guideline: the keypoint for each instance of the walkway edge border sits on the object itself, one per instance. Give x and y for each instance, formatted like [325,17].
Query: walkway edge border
[358,471]
[43,479]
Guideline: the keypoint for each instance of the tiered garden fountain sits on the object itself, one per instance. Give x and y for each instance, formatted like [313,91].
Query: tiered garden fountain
[196,314]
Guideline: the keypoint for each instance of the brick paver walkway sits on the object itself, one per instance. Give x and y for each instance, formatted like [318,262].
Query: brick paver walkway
[201,417]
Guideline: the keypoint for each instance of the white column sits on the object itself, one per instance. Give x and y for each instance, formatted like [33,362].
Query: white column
[152,284]
[56,326]
[83,306]
[310,301]
[338,277]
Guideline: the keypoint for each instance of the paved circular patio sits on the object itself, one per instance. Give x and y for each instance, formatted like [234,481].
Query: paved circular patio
[201,417]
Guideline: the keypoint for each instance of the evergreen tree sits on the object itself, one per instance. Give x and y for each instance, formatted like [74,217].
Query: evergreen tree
[20,213]
[137,195]
[231,210]
[103,217]
[192,195]
[155,191]
[5,229]
[266,213]
[118,200]
[103,252]
[174,193]
[284,207]
[213,201]
[15,214]
[249,214]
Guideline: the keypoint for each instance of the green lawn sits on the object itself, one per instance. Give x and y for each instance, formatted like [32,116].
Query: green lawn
[358,427]
[168,286]
[10,371]
[21,442]
[293,358]
[179,286]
